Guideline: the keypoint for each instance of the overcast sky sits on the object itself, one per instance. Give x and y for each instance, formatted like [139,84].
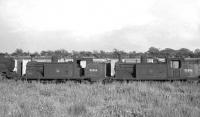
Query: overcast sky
[36,25]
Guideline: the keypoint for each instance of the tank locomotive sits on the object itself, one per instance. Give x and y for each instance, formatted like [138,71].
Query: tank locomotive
[79,69]
[7,65]
[171,69]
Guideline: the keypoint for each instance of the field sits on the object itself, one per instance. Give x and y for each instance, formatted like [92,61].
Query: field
[135,99]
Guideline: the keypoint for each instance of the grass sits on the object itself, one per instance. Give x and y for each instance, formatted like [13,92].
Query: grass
[136,99]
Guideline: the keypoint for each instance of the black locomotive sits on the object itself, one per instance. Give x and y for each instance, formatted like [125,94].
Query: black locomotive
[79,69]
[87,69]
[171,69]
[7,65]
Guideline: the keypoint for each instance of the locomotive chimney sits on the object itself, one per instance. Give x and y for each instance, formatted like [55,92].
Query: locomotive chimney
[32,56]
[74,65]
[54,59]
[143,59]
[119,57]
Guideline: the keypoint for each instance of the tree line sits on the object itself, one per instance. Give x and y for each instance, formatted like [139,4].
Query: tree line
[151,52]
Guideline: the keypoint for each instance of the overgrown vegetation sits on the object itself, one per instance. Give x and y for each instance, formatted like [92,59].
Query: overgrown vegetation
[136,99]
[151,52]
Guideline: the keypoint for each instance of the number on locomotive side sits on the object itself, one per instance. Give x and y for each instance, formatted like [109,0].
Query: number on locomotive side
[93,70]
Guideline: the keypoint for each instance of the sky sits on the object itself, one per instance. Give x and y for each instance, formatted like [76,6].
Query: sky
[129,25]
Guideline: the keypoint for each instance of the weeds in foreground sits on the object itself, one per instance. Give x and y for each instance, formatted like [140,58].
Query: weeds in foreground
[136,99]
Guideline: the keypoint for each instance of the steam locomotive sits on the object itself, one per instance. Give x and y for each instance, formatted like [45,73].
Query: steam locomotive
[88,69]
[7,65]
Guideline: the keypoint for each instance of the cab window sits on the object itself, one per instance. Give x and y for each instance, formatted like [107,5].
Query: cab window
[175,64]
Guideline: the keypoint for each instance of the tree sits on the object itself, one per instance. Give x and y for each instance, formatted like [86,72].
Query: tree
[59,53]
[102,54]
[85,53]
[47,53]
[35,54]
[168,52]
[75,53]
[153,51]
[96,54]
[65,53]
[184,52]
[132,54]
[119,54]
[18,52]
[197,52]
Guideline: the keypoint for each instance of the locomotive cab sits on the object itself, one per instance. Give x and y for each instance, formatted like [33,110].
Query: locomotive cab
[190,68]
[174,68]
[86,68]
[80,65]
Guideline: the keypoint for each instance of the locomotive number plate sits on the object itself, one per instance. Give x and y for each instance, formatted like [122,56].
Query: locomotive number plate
[93,70]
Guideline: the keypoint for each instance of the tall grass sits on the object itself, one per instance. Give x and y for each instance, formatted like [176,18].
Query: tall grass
[136,99]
